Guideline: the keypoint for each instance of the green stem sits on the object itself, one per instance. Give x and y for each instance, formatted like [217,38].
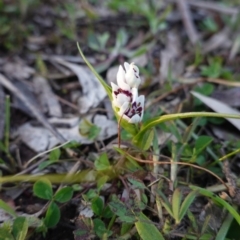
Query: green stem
[112,222]
[229,154]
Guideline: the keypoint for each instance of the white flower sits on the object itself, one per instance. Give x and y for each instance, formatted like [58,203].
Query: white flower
[132,75]
[126,101]
[129,105]
[130,78]
[134,111]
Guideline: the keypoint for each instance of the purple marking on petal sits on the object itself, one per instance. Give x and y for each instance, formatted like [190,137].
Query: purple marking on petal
[134,105]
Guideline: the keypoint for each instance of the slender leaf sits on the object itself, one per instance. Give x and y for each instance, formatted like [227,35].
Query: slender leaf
[104,84]
[147,230]
[205,225]
[165,203]
[160,119]
[7,208]
[147,140]
[206,236]
[221,235]
[176,201]
[218,200]
[192,220]
[186,204]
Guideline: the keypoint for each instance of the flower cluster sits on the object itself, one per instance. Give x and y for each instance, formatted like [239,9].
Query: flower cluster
[126,101]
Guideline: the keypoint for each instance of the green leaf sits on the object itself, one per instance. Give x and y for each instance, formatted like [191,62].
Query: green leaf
[101,181]
[147,230]
[165,203]
[7,208]
[64,195]
[219,200]
[206,89]
[107,212]
[146,141]
[43,189]
[5,235]
[137,183]
[102,163]
[176,201]
[20,228]
[205,225]
[54,154]
[206,236]
[99,227]
[125,228]
[72,144]
[88,129]
[94,131]
[201,143]
[97,205]
[34,221]
[45,164]
[120,209]
[122,38]
[104,84]
[193,220]
[222,232]
[160,119]
[52,216]
[186,204]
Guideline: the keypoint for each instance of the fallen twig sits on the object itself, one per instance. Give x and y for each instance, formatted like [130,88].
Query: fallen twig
[187,21]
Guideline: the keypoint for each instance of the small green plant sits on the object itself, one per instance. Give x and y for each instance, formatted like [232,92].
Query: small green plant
[43,189]
[17,227]
[88,129]
[215,69]
[177,209]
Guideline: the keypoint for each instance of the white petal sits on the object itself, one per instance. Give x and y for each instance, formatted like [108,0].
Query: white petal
[134,94]
[114,89]
[114,86]
[122,98]
[126,66]
[141,100]
[132,76]
[135,119]
[121,79]
[123,109]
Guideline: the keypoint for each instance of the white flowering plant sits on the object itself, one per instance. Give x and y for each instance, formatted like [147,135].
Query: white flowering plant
[129,106]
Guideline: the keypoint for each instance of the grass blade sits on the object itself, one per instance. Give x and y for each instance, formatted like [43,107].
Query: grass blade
[221,235]
[218,200]
[104,84]
[165,203]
